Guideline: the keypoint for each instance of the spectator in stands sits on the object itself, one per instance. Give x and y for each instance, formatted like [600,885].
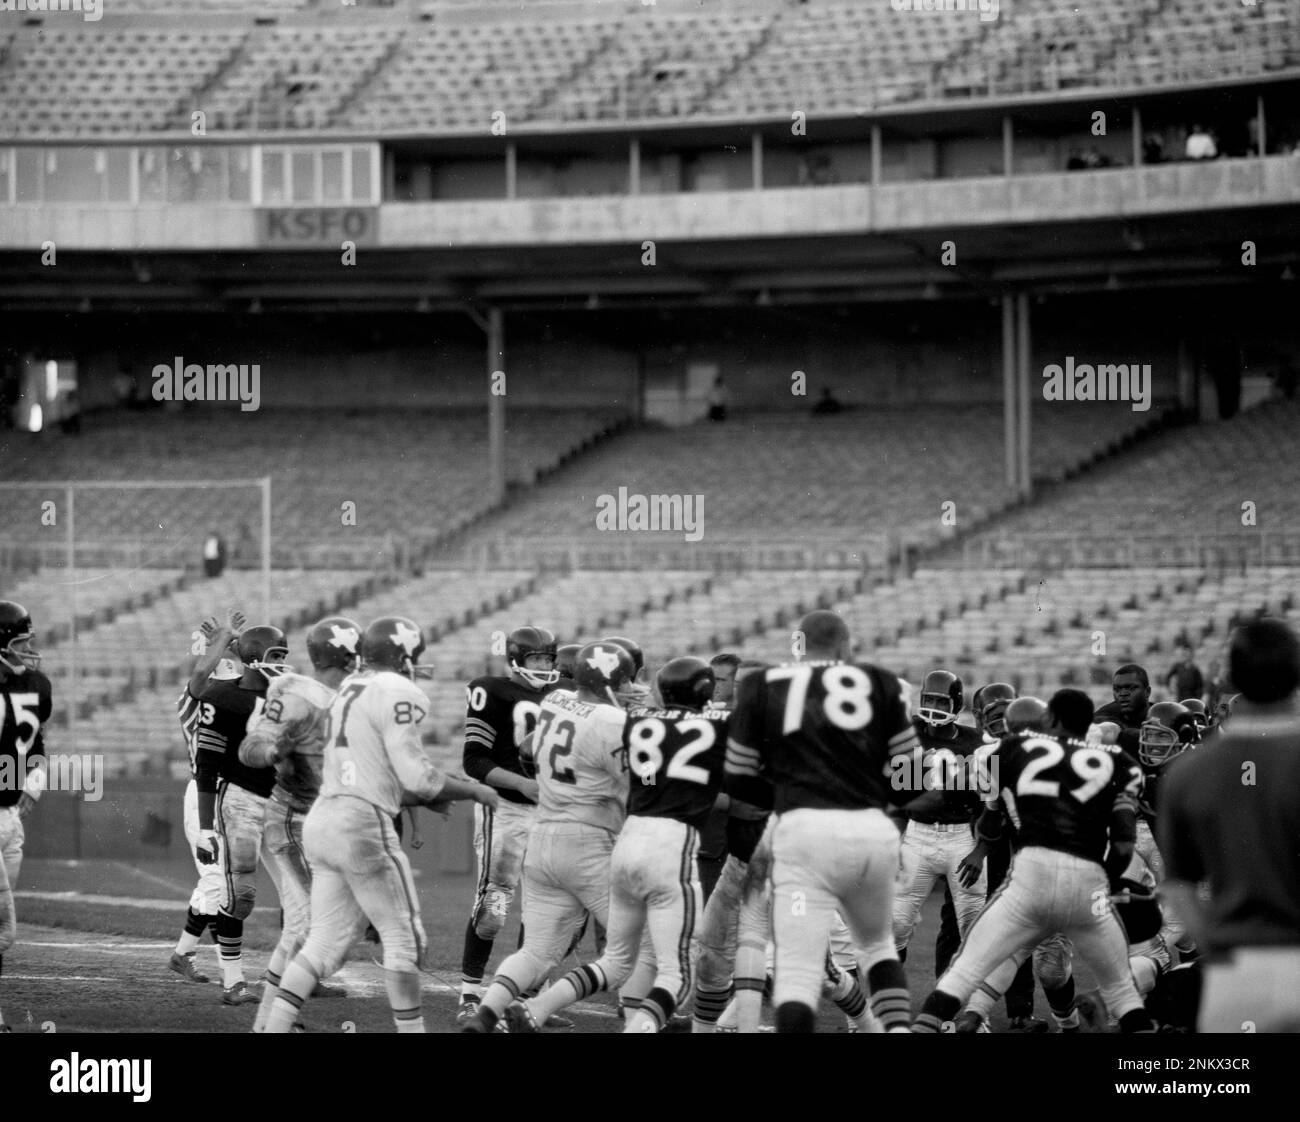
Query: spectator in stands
[214,555]
[1200,145]
[829,403]
[1215,687]
[1184,678]
[1075,162]
[1153,148]
[718,399]
[245,547]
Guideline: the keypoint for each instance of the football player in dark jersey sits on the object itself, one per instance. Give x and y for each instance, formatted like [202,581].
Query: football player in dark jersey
[823,732]
[938,835]
[1074,808]
[675,754]
[566,658]
[1132,690]
[233,796]
[25,706]
[1170,729]
[215,645]
[501,713]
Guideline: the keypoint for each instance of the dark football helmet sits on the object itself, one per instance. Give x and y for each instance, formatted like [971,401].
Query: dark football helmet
[686,683]
[334,643]
[392,643]
[263,648]
[523,642]
[941,698]
[1168,731]
[990,705]
[633,649]
[603,668]
[566,658]
[16,634]
[1200,714]
[1025,714]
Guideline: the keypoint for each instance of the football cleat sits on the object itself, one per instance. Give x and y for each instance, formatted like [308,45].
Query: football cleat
[183,964]
[474,1020]
[239,994]
[519,1019]
[263,648]
[686,683]
[466,1010]
[334,643]
[968,1021]
[556,1021]
[392,643]
[529,642]
[1167,732]
[941,698]
[16,634]
[1027,1024]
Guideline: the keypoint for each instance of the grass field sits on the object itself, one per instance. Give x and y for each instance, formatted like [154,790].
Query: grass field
[95,937]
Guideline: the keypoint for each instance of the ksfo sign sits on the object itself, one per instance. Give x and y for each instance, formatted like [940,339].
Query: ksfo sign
[322,226]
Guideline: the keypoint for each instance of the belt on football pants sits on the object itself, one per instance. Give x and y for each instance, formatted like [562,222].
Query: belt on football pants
[943,827]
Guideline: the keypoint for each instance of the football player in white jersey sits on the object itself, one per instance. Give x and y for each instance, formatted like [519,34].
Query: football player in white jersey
[374,763]
[289,735]
[582,783]
[214,649]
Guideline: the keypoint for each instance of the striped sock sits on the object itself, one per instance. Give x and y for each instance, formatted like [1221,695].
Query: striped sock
[709,1005]
[403,988]
[295,988]
[891,1004]
[230,944]
[1064,1005]
[939,1007]
[574,986]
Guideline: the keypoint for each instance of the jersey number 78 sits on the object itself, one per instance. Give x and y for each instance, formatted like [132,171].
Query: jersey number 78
[847,701]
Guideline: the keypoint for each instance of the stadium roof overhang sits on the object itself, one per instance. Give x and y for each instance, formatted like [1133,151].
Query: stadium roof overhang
[1182,249]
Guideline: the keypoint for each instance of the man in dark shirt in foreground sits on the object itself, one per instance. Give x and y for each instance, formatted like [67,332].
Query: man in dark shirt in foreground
[1229,816]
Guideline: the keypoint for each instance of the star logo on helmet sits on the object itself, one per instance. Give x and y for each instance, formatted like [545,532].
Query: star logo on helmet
[605,661]
[406,637]
[344,637]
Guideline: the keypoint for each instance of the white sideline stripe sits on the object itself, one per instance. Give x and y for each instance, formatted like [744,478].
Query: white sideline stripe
[356,986]
[70,897]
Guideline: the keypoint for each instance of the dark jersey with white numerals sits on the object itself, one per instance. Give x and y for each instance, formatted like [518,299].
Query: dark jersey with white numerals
[499,715]
[225,708]
[675,757]
[822,733]
[25,706]
[1061,793]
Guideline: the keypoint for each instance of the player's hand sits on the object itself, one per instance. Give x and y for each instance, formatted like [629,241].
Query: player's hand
[206,849]
[440,806]
[486,796]
[25,805]
[529,789]
[209,627]
[236,620]
[970,867]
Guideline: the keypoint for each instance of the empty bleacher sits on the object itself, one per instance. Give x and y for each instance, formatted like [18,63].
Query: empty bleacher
[449,67]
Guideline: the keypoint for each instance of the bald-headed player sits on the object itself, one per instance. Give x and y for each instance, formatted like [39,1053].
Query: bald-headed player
[374,765]
[822,732]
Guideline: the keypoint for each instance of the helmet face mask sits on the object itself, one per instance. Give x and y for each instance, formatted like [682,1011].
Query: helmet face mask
[272,663]
[16,635]
[1169,730]
[525,644]
[990,705]
[263,648]
[940,698]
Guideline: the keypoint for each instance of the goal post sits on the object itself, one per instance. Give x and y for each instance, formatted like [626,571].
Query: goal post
[78,552]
